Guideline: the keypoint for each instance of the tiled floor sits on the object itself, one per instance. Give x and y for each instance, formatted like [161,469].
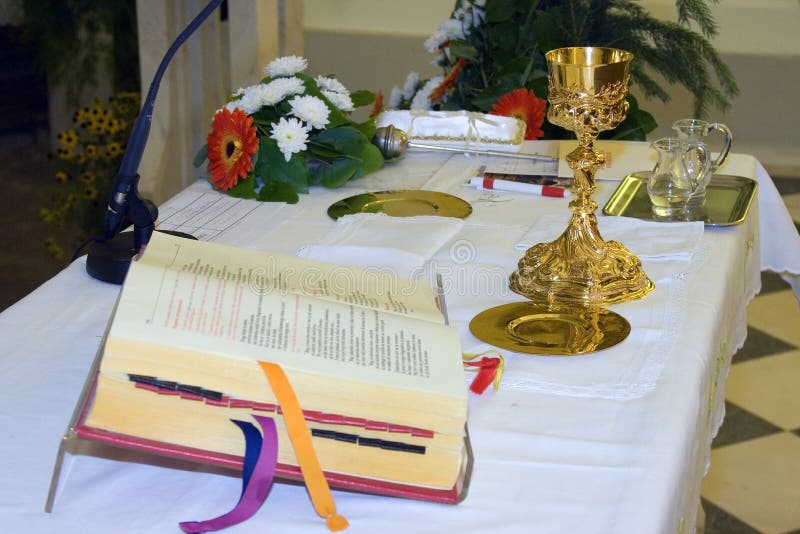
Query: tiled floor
[754,482]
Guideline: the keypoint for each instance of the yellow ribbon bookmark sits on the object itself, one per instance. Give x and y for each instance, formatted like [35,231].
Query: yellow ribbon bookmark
[300,436]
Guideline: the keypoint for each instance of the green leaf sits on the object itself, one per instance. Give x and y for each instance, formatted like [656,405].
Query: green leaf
[371,159]
[244,189]
[460,48]
[499,10]
[201,156]
[504,36]
[362,98]
[278,192]
[546,28]
[487,98]
[322,151]
[343,139]
[273,167]
[367,128]
[337,172]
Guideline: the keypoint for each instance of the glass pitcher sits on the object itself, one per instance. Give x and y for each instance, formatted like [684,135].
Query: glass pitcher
[701,167]
[670,186]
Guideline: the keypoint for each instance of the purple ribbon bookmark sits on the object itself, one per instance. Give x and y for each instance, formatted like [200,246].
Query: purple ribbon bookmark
[256,477]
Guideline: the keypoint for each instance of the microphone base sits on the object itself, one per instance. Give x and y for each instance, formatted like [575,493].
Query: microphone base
[110,260]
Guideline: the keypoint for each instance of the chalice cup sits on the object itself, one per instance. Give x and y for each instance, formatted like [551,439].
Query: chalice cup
[587,88]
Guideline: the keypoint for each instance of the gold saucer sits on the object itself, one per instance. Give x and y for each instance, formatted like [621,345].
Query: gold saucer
[402,203]
[535,329]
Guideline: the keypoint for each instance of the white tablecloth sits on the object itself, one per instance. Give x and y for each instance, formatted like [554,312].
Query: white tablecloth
[554,452]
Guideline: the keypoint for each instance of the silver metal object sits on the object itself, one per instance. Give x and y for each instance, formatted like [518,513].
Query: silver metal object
[393,144]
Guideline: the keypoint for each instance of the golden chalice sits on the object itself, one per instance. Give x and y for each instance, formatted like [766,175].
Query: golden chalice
[587,95]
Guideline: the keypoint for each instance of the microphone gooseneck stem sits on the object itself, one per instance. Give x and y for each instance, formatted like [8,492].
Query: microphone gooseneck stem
[141,128]
[125,196]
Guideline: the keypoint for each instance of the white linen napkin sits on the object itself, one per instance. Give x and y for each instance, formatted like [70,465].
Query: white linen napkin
[377,240]
[649,240]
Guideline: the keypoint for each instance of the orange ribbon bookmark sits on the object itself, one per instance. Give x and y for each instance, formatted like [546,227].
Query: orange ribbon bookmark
[300,436]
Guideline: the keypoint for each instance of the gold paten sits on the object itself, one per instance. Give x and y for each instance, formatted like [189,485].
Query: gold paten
[727,202]
[402,203]
[536,329]
[587,95]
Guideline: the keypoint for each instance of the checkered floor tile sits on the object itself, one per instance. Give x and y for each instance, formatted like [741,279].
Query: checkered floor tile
[752,486]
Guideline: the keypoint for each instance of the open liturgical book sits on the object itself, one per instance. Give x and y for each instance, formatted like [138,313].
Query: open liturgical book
[377,371]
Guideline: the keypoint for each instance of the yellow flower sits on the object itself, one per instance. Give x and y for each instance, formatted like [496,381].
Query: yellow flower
[88,177]
[90,192]
[81,116]
[53,248]
[115,126]
[46,215]
[65,153]
[91,151]
[61,177]
[113,150]
[68,138]
[81,159]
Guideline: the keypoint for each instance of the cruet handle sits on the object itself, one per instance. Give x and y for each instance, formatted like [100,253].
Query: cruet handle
[728,136]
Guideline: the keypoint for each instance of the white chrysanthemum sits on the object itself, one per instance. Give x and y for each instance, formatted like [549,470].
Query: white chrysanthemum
[478,15]
[452,29]
[422,98]
[410,85]
[466,19]
[311,110]
[395,97]
[280,88]
[340,100]
[286,66]
[327,83]
[479,3]
[249,101]
[436,40]
[291,135]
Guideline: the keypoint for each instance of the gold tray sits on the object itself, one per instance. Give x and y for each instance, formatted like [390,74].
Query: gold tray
[535,329]
[728,200]
[402,203]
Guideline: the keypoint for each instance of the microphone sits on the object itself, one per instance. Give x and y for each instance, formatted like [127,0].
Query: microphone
[110,255]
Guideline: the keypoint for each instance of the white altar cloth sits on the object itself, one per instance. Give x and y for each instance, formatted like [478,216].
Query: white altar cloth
[557,461]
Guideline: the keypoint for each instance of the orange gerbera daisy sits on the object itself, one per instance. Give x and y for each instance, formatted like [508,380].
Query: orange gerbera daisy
[377,105]
[439,91]
[231,145]
[526,106]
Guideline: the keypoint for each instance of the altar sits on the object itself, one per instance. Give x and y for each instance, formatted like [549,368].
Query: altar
[613,441]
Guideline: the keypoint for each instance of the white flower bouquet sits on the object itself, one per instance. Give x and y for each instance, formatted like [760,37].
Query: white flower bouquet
[274,139]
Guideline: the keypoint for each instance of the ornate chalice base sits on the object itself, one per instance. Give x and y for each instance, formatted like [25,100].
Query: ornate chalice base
[587,95]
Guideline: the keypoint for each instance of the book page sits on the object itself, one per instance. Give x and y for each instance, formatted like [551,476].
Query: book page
[271,273]
[191,297]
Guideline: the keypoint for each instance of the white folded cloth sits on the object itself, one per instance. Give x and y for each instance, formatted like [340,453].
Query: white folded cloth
[649,240]
[467,129]
[377,240]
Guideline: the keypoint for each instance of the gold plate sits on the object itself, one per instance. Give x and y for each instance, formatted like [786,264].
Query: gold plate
[728,200]
[402,203]
[535,329]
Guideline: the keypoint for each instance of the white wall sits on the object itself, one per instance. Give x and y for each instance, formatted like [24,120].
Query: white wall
[373,44]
